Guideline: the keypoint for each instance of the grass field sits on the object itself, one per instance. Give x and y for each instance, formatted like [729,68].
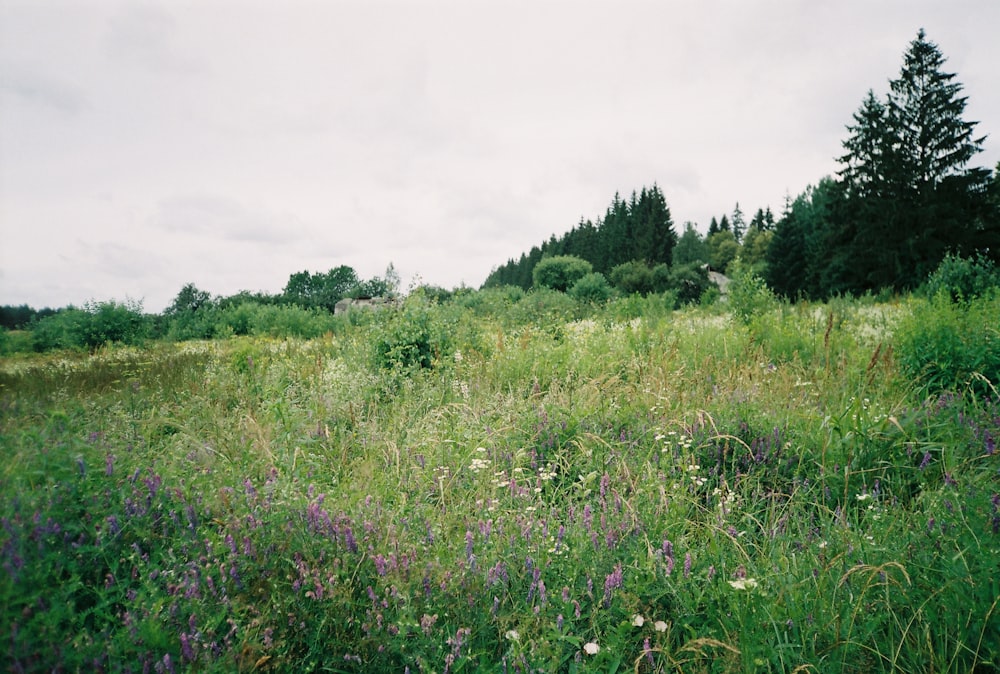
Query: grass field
[494,485]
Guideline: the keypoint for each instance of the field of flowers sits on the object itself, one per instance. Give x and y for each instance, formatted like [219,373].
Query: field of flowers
[457,489]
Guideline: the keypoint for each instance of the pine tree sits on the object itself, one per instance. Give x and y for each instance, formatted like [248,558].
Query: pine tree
[739,224]
[909,196]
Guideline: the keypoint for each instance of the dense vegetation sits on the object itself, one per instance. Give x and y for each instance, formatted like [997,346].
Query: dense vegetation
[516,481]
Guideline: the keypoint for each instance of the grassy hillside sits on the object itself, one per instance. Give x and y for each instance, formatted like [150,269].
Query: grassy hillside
[508,483]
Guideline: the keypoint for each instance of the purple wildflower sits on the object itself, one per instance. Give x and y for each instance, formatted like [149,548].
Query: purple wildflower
[109,465]
[352,545]
[187,651]
[687,565]
[925,461]
[612,582]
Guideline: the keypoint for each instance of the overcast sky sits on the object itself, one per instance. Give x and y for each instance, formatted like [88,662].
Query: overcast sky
[229,144]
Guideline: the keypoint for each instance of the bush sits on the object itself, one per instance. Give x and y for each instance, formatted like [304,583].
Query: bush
[689,282]
[543,305]
[946,346]
[15,341]
[409,338]
[633,277]
[593,288]
[108,322]
[963,279]
[560,272]
[749,296]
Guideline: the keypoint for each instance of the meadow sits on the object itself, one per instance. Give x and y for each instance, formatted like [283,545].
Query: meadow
[514,483]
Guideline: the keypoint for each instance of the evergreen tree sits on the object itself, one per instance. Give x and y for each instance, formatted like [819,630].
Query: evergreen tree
[739,225]
[691,248]
[713,227]
[906,179]
[652,227]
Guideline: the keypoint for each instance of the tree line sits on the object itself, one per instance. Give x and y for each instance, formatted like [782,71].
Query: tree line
[905,198]
[305,306]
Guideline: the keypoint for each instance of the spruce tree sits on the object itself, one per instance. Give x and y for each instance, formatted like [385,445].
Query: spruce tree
[910,196]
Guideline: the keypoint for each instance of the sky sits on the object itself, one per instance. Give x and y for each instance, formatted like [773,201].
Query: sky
[149,144]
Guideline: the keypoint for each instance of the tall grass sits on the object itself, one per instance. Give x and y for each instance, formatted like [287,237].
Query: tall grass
[522,490]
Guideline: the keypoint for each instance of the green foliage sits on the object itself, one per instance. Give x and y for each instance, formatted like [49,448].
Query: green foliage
[109,322]
[593,288]
[640,228]
[691,247]
[749,297]
[911,196]
[409,338]
[542,305]
[633,277]
[722,249]
[15,341]
[945,346]
[62,330]
[99,323]
[689,282]
[963,279]
[560,272]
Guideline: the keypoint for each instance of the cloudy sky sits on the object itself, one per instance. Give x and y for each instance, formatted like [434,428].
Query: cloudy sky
[231,143]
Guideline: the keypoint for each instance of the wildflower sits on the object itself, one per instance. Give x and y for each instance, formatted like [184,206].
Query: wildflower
[863,497]
[925,461]
[512,635]
[187,652]
[660,626]
[687,565]
[743,583]
[638,620]
[591,648]
[611,582]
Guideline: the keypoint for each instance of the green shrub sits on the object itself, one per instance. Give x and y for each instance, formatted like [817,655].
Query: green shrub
[689,281]
[749,296]
[633,277]
[15,341]
[62,330]
[542,305]
[946,346]
[560,272]
[963,279]
[593,288]
[407,338]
